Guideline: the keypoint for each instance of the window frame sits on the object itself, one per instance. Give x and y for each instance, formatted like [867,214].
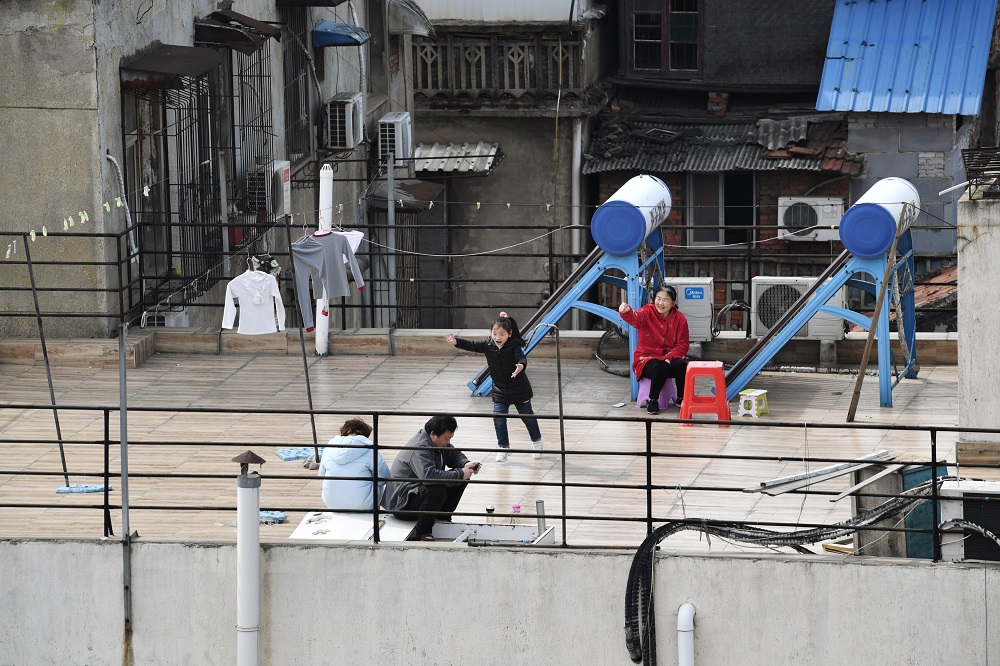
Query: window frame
[634,9]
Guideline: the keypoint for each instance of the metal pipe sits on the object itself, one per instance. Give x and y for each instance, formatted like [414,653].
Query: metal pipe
[302,341]
[562,428]
[45,355]
[247,566]
[123,447]
[576,235]
[539,515]
[685,634]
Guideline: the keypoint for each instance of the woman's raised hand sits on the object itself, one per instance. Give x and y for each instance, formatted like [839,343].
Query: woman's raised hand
[624,307]
[450,338]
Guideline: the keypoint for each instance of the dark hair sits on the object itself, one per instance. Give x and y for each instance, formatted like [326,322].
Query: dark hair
[671,292]
[439,425]
[507,323]
[355,427]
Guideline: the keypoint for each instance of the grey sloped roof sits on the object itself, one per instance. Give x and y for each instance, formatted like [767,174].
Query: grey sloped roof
[801,143]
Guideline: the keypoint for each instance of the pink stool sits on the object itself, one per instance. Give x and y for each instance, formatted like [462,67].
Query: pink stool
[668,394]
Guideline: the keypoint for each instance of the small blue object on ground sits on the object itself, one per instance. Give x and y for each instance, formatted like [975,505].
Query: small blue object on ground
[271,517]
[82,488]
[297,453]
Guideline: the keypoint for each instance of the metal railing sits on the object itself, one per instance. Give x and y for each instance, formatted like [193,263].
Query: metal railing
[122,291]
[141,456]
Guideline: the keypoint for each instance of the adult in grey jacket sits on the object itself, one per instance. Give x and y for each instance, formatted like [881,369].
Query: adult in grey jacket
[350,454]
[429,479]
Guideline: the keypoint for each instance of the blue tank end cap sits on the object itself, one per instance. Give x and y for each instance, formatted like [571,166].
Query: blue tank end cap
[867,230]
[618,227]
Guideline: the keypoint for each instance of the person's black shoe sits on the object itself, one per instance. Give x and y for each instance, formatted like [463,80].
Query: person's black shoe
[653,407]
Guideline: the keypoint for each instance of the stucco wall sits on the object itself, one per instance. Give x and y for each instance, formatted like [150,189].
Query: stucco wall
[978,320]
[525,179]
[61,602]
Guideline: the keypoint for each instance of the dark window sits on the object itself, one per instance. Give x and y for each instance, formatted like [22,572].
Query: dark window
[665,36]
[720,204]
[295,60]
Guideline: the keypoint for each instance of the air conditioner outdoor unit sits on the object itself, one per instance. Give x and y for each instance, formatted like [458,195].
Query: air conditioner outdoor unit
[798,217]
[772,297]
[344,121]
[269,188]
[696,299]
[395,135]
[975,502]
[174,317]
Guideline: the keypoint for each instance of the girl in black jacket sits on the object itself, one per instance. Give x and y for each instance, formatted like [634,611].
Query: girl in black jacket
[505,357]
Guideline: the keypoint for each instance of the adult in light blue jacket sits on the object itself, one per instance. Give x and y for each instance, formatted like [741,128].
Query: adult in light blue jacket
[350,454]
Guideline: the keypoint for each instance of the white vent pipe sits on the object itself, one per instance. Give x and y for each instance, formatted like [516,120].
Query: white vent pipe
[325,224]
[247,566]
[685,635]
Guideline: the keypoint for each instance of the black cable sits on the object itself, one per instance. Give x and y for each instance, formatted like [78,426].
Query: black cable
[640,621]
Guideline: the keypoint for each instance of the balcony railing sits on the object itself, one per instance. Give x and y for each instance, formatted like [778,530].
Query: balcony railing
[497,68]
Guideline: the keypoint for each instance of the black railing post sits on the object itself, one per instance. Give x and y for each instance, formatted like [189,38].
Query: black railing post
[649,477]
[935,518]
[108,528]
[375,503]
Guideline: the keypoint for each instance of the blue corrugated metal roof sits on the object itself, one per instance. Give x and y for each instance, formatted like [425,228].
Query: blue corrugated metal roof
[907,56]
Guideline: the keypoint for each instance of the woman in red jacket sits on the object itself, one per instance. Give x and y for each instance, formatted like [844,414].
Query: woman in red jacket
[662,345]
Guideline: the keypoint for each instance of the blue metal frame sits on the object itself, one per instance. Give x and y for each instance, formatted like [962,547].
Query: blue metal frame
[854,266]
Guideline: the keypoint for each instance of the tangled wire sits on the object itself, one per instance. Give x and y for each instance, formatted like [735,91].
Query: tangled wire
[640,627]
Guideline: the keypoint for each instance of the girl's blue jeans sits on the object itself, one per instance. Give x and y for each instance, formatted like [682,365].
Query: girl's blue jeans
[500,425]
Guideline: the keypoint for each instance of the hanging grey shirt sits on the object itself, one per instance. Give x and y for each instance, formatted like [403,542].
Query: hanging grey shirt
[321,259]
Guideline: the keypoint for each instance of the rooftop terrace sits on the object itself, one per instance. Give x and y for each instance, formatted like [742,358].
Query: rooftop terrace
[182,481]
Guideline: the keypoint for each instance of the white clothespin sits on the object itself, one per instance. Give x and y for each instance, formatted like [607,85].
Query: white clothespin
[145,191]
[71,222]
[32,234]
[119,202]
[84,216]
[107,207]
[8,250]
[45,232]
[65,224]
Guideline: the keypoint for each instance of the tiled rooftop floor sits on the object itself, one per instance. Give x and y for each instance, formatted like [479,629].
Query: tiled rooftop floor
[420,385]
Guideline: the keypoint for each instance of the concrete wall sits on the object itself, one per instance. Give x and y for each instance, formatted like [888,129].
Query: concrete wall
[923,148]
[61,602]
[536,170]
[978,320]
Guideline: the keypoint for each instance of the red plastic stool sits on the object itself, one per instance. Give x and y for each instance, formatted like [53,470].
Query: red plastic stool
[668,393]
[715,403]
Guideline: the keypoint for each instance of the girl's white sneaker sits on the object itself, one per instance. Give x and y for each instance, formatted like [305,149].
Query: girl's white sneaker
[537,445]
[502,455]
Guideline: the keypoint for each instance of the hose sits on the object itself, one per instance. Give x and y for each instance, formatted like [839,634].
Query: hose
[640,623]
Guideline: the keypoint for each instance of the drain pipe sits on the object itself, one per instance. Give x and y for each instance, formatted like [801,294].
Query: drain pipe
[247,559]
[685,635]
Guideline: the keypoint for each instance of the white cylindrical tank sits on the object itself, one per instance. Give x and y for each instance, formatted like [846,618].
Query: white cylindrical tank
[622,222]
[886,210]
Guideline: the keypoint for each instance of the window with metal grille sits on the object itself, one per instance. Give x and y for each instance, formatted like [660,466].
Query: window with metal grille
[665,36]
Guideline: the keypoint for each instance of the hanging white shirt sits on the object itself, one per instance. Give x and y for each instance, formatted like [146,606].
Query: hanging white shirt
[260,304]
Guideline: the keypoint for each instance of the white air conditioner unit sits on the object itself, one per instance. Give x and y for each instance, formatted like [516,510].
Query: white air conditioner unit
[975,502]
[696,299]
[772,297]
[269,188]
[174,317]
[344,121]
[395,135]
[799,218]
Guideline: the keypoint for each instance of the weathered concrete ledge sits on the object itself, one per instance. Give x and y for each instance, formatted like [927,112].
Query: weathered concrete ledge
[932,348]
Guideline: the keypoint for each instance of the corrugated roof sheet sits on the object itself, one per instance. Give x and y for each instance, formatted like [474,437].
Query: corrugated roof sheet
[767,145]
[469,158]
[907,56]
